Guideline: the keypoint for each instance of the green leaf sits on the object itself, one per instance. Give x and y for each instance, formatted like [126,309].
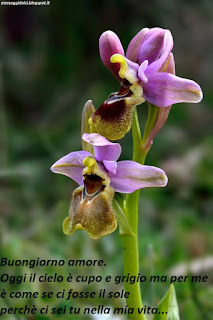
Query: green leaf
[168,307]
[124,227]
[120,198]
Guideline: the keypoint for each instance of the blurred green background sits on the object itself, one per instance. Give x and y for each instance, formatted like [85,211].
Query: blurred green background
[50,66]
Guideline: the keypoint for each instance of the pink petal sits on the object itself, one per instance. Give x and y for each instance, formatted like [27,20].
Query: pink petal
[71,165]
[110,166]
[131,176]
[168,65]
[152,46]
[141,71]
[164,89]
[109,44]
[135,44]
[165,51]
[103,148]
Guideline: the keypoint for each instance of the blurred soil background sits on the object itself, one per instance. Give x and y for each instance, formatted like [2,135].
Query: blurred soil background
[50,66]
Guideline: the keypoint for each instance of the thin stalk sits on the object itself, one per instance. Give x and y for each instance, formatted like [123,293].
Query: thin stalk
[130,244]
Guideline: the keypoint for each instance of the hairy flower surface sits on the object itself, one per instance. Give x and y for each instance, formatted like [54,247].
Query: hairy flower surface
[99,176]
[144,75]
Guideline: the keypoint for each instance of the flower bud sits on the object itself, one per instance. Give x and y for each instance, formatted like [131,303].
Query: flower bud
[109,44]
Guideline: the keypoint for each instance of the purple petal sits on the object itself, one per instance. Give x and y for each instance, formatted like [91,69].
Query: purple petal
[155,30]
[164,89]
[131,176]
[165,51]
[141,71]
[135,44]
[103,148]
[131,64]
[110,166]
[159,123]
[71,165]
[169,64]
[109,44]
[152,46]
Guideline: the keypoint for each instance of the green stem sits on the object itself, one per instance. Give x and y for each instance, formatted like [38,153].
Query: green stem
[130,243]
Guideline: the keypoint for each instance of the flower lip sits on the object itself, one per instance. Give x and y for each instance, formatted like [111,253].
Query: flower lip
[94,214]
[93,185]
[123,93]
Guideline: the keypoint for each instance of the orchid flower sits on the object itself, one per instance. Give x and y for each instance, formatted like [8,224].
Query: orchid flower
[144,74]
[99,176]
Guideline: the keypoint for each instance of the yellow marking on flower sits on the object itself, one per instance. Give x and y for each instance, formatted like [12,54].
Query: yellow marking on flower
[79,227]
[91,164]
[90,122]
[118,58]
[67,164]
[198,92]
[92,126]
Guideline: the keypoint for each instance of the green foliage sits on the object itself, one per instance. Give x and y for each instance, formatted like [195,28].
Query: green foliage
[168,307]
[124,227]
